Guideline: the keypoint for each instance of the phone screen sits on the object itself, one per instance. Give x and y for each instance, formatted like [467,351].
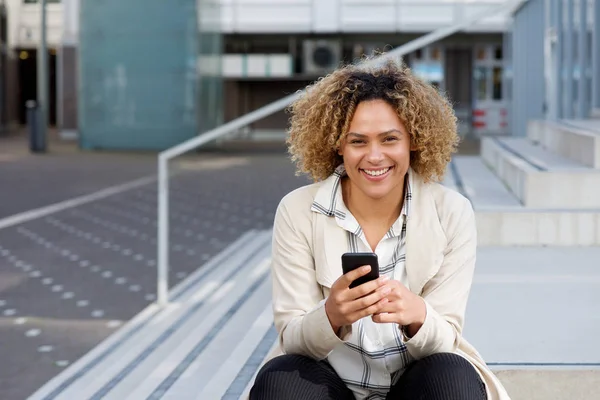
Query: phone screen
[351,261]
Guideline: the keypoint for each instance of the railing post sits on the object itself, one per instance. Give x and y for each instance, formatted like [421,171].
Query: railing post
[162,282]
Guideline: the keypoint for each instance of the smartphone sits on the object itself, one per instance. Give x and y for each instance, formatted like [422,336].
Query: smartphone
[351,261]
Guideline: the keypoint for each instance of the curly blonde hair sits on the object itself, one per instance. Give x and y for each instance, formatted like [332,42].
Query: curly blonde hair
[321,116]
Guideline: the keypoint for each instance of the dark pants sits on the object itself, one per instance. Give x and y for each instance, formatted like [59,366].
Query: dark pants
[441,376]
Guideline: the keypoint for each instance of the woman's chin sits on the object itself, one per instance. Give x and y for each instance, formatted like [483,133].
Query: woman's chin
[377,193]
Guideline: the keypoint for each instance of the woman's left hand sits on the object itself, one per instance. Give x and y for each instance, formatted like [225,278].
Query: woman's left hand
[403,308]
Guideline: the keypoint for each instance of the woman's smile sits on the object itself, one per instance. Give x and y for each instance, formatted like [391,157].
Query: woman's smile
[376,175]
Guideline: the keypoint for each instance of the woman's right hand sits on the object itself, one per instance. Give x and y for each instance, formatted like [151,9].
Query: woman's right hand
[344,306]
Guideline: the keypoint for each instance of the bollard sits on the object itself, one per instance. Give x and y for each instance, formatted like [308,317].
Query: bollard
[37,143]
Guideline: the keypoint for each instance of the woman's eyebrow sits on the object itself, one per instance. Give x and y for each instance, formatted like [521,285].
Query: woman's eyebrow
[360,135]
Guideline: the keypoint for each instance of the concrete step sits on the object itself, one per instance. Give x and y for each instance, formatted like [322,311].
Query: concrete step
[193,349]
[578,140]
[542,179]
[473,179]
[531,227]
[552,384]
[503,221]
[529,317]
[157,351]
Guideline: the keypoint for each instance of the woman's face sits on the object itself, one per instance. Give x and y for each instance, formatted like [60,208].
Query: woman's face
[376,150]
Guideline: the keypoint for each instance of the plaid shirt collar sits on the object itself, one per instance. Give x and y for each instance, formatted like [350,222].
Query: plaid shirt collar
[329,201]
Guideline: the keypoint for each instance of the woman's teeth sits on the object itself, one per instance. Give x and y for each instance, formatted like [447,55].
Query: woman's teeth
[376,172]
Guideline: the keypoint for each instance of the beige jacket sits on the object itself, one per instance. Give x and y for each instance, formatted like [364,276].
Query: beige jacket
[440,260]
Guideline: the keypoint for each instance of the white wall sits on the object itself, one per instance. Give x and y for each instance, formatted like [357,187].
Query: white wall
[324,16]
[24,22]
[281,16]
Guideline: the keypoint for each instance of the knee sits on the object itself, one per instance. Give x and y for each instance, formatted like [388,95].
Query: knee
[285,362]
[452,366]
[281,365]
[446,373]
[448,362]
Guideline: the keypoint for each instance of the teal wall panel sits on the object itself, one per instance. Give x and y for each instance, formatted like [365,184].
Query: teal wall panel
[138,78]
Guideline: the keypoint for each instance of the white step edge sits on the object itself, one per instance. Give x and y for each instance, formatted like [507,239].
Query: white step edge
[570,141]
[541,157]
[481,186]
[533,227]
[578,190]
[123,336]
[161,369]
[273,350]
[231,369]
[149,348]
[212,373]
[526,226]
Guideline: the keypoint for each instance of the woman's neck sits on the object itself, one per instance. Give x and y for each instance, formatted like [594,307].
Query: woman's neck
[385,210]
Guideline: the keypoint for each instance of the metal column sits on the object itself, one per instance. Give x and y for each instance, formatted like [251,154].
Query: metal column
[596,56]
[567,101]
[583,98]
[554,57]
[42,70]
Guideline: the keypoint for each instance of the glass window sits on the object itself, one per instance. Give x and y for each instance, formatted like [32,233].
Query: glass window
[497,83]
[481,75]
[498,53]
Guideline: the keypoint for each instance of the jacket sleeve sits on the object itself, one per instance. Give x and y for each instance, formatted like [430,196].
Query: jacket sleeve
[447,292]
[298,301]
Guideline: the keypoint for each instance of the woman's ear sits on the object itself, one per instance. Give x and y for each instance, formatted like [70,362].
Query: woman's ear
[413,147]
[339,149]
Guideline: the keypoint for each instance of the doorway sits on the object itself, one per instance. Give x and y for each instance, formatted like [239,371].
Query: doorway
[459,82]
[28,82]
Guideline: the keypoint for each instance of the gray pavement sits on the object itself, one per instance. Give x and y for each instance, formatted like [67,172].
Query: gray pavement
[29,181]
[536,307]
[70,279]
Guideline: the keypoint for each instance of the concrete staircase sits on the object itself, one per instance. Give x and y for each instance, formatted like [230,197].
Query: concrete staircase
[543,189]
[212,339]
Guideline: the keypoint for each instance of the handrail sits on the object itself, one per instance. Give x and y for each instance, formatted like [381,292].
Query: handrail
[166,155]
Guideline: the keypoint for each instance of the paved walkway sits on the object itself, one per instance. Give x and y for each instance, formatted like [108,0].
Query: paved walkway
[29,181]
[70,279]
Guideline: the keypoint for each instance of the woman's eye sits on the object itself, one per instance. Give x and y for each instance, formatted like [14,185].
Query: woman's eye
[391,139]
[357,142]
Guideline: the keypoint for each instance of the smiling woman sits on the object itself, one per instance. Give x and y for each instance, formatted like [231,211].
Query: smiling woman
[375,140]
[320,120]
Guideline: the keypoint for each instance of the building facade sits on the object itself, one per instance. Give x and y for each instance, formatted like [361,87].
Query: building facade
[20,26]
[234,56]
[122,74]
[273,48]
[554,63]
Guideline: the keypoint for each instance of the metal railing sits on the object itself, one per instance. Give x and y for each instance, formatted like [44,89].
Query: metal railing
[165,156]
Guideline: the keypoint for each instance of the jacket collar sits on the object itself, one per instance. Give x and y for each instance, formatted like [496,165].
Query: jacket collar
[425,238]
[329,202]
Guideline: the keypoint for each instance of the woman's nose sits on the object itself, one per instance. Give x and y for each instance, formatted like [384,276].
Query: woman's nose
[375,154]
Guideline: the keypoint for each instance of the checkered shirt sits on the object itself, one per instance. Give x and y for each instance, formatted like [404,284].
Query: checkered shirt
[374,355]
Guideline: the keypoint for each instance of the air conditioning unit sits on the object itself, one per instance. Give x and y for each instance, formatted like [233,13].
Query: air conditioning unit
[321,56]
